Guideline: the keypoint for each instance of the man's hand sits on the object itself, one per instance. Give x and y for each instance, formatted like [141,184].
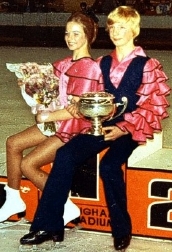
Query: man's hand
[111,133]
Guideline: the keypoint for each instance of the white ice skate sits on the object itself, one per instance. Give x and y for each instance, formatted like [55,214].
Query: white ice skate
[13,204]
[71,213]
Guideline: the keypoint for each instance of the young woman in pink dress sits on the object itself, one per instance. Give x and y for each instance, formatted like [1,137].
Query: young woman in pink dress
[74,79]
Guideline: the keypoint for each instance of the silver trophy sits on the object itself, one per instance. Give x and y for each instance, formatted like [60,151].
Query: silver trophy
[97,107]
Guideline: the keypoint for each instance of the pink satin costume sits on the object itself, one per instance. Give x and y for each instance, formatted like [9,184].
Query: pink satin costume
[75,78]
[152,105]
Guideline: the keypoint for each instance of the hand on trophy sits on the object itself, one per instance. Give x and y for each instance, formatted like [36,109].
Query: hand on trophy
[111,133]
[73,110]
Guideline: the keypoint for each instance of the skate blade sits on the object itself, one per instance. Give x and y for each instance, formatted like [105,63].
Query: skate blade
[46,246]
[77,227]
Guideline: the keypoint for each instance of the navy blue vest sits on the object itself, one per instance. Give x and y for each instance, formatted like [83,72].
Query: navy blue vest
[129,84]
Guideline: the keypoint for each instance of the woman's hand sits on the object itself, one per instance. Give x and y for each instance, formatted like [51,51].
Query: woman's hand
[111,133]
[42,116]
[52,116]
[73,110]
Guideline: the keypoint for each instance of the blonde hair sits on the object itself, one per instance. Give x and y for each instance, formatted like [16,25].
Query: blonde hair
[125,13]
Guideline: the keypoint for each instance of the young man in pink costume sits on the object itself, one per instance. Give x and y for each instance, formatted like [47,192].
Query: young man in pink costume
[129,73]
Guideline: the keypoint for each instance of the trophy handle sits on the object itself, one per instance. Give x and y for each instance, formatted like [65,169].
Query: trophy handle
[124,103]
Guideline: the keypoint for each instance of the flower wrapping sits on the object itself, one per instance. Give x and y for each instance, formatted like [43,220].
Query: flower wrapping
[40,89]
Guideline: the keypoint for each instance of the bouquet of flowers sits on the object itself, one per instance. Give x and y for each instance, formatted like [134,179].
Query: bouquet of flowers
[40,89]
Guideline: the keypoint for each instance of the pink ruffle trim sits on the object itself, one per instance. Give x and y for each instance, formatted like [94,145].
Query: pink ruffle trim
[152,105]
[71,128]
[84,76]
[86,68]
[60,66]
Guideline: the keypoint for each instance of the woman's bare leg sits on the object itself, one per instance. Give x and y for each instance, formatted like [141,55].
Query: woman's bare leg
[15,146]
[44,153]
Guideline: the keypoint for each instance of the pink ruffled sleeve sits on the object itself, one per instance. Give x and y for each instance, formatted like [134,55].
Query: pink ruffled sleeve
[152,104]
[84,76]
[60,66]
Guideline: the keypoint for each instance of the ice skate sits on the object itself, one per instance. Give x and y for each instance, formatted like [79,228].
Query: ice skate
[71,214]
[121,244]
[41,241]
[13,204]
[121,250]
[46,246]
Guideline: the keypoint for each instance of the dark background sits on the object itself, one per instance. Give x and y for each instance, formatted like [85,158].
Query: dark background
[38,36]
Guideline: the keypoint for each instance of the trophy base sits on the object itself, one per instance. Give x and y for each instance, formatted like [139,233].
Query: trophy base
[96,129]
[95,132]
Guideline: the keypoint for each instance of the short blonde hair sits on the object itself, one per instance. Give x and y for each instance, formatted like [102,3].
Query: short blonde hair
[125,13]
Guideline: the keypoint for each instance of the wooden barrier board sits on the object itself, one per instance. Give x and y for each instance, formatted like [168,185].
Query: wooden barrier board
[148,192]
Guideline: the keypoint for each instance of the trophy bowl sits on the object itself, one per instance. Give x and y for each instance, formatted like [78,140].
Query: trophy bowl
[96,107]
